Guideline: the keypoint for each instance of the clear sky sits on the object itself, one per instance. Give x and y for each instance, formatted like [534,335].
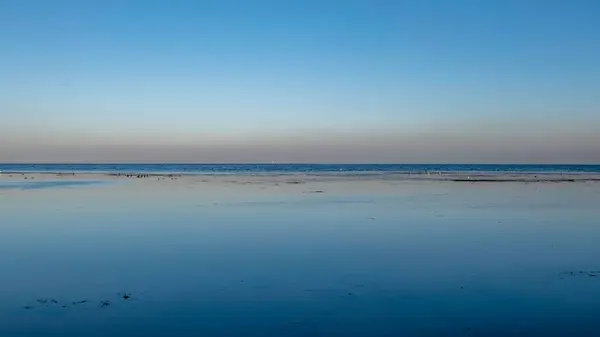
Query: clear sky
[300,81]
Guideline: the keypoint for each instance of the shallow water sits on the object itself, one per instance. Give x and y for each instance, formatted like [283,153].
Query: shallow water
[208,259]
[35,185]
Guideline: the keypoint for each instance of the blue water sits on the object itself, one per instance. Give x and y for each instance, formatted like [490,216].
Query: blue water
[218,260]
[38,185]
[295,168]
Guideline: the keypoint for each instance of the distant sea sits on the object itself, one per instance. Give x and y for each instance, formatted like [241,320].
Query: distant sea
[257,169]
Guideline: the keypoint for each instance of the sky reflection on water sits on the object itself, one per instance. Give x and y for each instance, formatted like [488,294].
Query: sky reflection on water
[423,260]
[37,185]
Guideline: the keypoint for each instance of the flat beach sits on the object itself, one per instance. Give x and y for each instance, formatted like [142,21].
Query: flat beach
[428,254]
[299,168]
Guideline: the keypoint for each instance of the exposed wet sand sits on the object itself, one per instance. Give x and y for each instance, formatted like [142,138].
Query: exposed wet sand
[317,177]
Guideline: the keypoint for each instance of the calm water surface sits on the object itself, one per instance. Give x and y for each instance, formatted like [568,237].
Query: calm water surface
[408,259]
[238,169]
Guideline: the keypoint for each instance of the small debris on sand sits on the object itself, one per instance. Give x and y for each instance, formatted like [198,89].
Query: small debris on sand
[125,296]
[588,273]
[42,301]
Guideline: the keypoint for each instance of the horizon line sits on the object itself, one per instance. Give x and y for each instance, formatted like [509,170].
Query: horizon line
[292,163]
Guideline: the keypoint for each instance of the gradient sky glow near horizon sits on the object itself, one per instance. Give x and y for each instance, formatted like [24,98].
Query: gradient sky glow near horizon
[300,81]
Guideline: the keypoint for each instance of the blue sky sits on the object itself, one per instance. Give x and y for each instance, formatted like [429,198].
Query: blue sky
[244,76]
